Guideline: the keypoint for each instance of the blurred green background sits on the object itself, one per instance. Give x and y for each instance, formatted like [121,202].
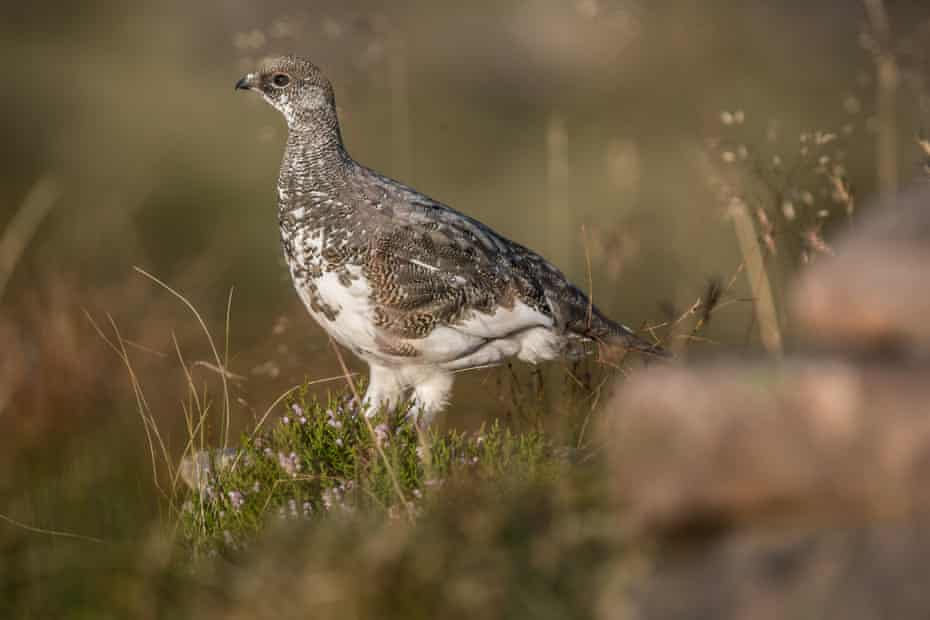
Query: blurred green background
[585,129]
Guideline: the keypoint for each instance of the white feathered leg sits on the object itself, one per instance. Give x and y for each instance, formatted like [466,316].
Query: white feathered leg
[431,395]
[385,390]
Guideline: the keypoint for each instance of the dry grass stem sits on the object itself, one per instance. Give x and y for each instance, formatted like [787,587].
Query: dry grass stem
[149,425]
[888,78]
[47,532]
[590,277]
[220,371]
[759,283]
[216,355]
[22,227]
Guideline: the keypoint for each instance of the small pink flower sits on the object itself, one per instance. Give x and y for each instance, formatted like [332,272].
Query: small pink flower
[290,463]
[236,499]
[381,434]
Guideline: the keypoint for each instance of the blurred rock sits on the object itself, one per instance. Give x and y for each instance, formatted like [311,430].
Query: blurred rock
[775,491]
[736,443]
[848,573]
[873,293]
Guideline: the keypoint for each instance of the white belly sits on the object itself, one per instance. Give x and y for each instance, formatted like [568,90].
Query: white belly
[351,326]
[346,313]
[490,338]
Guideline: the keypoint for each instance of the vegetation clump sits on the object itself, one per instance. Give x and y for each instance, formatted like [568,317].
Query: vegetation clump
[321,458]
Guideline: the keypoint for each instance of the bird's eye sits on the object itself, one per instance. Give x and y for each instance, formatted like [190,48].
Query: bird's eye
[280,80]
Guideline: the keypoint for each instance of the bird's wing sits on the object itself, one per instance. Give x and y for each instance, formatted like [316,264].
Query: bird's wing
[431,265]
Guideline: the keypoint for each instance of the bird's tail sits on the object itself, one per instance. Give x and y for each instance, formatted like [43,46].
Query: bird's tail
[614,335]
[625,338]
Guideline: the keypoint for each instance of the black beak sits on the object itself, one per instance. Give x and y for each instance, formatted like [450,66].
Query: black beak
[246,83]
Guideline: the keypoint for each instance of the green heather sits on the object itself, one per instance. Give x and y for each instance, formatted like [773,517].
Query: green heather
[321,459]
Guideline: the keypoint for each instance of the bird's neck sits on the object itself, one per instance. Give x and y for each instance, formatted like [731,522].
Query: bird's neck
[314,158]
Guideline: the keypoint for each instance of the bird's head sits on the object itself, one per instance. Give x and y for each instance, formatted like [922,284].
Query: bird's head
[295,87]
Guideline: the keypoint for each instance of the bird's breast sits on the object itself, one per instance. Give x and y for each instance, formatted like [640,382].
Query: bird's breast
[327,274]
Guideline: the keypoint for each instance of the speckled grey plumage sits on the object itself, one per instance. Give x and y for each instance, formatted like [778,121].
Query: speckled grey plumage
[414,271]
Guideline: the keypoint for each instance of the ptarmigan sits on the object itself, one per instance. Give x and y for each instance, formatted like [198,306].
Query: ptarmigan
[414,288]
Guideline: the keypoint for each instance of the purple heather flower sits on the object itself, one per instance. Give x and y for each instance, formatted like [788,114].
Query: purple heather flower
[332,421]
[285,420]
[338,442]
[236,499]
[289,463]
[302,420]
[381,433]
[327,498]
[297,409]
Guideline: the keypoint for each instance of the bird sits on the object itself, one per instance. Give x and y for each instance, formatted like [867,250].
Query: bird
[414,288]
